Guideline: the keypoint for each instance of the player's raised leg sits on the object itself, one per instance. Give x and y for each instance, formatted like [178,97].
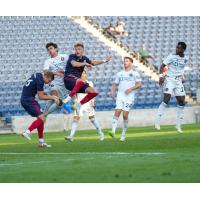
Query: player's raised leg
[161,109]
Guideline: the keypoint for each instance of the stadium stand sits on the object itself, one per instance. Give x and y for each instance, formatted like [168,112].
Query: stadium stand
[23,52]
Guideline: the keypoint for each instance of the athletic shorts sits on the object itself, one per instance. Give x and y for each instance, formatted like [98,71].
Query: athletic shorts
[174,86]
[86,110]
[31,106]
[61,90]
[124,104]
[70,82]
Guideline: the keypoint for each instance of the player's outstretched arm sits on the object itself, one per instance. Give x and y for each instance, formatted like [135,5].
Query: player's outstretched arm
[99,62]
[42,96]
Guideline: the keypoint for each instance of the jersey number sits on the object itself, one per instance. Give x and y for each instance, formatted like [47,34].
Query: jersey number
[28,82]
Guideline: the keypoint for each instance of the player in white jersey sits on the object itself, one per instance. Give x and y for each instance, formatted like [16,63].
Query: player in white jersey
[56,64]
[87,108]
[127,81]
[171,74]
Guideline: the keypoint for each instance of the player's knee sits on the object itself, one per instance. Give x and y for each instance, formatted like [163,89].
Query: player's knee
[42,117]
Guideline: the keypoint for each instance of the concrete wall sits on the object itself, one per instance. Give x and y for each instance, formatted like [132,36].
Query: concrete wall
[138,117]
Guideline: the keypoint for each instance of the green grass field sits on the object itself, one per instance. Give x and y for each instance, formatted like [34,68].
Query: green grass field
[146,156]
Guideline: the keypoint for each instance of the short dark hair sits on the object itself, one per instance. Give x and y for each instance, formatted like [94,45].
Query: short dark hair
[49,74]
[79,44]
[183,45]
[128,58]
[51,44]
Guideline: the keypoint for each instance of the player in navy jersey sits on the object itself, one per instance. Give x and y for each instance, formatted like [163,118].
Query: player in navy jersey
[73,71]
[35,86]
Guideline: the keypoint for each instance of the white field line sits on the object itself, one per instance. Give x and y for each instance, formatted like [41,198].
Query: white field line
[107,154]
[85,153]
[43,161]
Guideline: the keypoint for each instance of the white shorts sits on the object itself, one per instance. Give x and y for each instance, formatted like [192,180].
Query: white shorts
[124,104]
[62,91]
[174,86]
[86,109]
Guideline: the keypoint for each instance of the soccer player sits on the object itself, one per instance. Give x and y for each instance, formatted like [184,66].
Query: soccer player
[172,83]
[73,71]
[56,64]
[34,86]
[127,82]
[86,108]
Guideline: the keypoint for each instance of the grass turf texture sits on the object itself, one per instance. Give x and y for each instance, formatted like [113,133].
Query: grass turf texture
[146,156]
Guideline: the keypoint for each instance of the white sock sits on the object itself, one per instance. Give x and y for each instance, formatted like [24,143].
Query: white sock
[41,140]
[179,116]
[66,99]
[96,125]
[114,124]
[73,128]
[125,126]
[159,114]
[52,109]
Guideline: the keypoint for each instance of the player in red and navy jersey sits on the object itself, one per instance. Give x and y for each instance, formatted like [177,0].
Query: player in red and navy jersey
[73,71]
[35,86]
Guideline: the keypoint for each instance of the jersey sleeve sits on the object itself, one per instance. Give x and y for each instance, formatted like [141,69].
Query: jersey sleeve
[46,65]
[137,77]
[167,60]
[117,79]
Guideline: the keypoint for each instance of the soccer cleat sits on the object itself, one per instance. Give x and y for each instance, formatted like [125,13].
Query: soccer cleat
[157,126]
[101,136]
[26,135]
[123,138]
[43,144]
[71,139]
[179,130]
[111,134]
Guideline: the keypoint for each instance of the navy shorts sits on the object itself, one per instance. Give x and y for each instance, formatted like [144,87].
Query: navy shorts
[70,82]
[31,106]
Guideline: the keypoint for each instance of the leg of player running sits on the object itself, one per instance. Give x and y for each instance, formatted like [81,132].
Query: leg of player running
[115,122]
[78,85]
[125,125]
[73,129]
[161,108]
[180,109]
[97,126]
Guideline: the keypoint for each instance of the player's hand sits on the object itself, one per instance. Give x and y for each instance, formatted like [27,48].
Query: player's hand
[161,81]
[128,91]
[88,65]
[108,58]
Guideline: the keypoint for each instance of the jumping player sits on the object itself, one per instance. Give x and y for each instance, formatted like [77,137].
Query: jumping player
[34,86]
[127,81]
[56,64]
[172,83]
[86,108]
[73,71]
